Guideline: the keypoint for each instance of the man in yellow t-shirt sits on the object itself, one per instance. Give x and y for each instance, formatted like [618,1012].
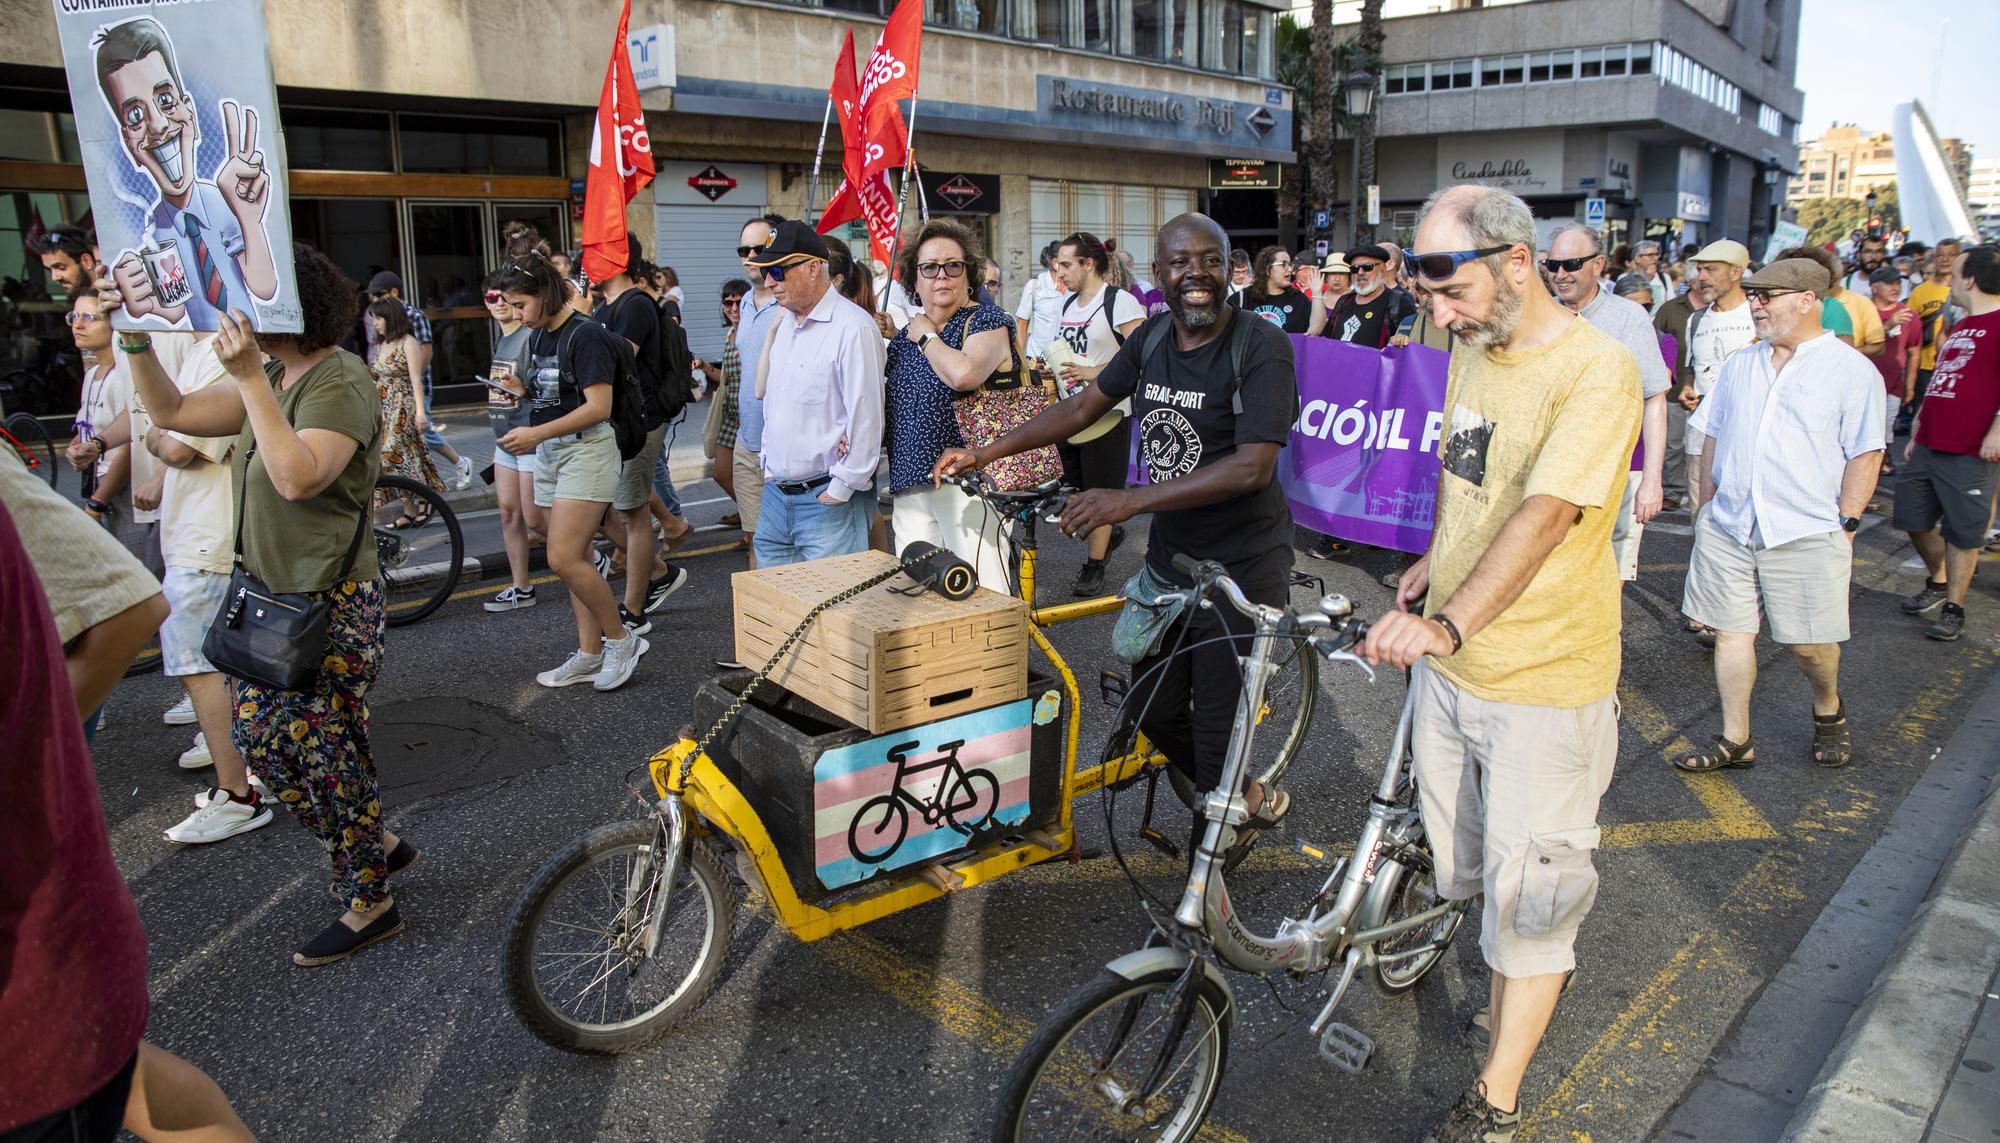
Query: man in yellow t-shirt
[1932,301]
[1514,717]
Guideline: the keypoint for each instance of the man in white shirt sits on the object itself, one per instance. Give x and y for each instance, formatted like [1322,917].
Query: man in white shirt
[1712,335]
[1582,290]
[1040,312]
[1792,441]
[820,381]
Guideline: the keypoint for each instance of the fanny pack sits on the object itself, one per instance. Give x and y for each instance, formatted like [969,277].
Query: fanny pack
[1152,606]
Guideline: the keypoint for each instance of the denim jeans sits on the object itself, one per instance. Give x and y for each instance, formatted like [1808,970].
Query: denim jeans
[663,475]
[432,436]
[795,527]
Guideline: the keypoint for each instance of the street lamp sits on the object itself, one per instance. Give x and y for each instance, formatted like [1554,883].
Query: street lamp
[1359,91]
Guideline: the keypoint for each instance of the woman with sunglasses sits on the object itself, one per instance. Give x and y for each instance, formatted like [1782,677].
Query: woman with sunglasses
[725,379]
[522,523]
[1272,296]
[951,347]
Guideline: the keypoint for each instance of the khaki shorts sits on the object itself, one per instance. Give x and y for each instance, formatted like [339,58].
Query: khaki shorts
[635,476]
[581,466]
[1626,531]
[749,469]
[1509,796]
[1800,587]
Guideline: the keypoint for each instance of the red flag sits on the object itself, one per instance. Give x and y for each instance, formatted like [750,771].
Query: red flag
[844,207]
[621,161]
[879,207]
[891,75]
[31,239]
[846,96]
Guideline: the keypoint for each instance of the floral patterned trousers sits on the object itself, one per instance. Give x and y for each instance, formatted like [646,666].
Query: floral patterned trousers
[311,746]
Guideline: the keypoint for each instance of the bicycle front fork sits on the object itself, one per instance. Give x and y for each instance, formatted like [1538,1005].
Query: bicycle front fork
[671,841]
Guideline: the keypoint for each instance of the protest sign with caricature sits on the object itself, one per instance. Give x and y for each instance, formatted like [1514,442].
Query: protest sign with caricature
[176,115]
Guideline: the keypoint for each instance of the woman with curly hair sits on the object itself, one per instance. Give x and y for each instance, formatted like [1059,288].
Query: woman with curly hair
[309,423]
[403,417]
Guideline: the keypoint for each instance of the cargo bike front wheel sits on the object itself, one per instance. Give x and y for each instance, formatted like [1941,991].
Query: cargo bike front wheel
[575,961]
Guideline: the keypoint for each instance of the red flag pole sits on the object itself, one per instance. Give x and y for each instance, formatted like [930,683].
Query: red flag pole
[903,188]
[812,187]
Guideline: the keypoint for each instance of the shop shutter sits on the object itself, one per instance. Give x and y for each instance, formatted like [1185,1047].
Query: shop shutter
[699,242]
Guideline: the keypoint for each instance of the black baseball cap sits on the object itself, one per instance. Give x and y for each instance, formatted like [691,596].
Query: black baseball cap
[384,280]
[792,241]
[1885,274]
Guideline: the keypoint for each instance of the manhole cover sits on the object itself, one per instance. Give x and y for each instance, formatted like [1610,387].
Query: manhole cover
[429,746]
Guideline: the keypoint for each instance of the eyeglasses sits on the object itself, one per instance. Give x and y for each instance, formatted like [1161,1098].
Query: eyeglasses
[1763,297]
[495,297]
[952,269]
[1365,267]
[992,283]
[1444,263]
[76,319]
[746,251]
[1566,265]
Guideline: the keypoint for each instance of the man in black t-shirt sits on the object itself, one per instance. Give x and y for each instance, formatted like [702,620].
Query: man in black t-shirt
[1210,482]
[1372,312]
[629,312]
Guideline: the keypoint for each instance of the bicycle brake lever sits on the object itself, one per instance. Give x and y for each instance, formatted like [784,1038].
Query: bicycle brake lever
[1351,657]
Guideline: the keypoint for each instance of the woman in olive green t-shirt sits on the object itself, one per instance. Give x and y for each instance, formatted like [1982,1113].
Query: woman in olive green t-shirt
[311,413]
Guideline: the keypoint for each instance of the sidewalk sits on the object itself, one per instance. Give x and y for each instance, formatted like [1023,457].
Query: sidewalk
[1884,1025]
[466,427]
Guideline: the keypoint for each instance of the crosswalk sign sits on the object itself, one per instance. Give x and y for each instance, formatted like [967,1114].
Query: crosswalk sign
[1593,212]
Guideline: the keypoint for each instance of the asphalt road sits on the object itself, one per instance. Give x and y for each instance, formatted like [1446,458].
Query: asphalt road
[903,1029]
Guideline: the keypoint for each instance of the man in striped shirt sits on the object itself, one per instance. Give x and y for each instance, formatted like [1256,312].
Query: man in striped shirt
[1792,434]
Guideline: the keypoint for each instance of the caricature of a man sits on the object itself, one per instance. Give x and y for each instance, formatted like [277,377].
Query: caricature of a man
[216,227]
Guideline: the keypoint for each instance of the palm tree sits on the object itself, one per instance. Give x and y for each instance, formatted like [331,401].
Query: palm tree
[1368,54]
[1310,62]
[1325,86]
[1295,70]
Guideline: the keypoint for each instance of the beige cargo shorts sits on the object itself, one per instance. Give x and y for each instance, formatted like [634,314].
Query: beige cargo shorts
[1509,794]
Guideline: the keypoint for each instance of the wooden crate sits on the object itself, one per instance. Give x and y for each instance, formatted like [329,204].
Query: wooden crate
[882,660]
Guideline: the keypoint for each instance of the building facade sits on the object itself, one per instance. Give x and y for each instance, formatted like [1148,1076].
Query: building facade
[1844,162]
[1680,115]
[415,133]
[1982,192]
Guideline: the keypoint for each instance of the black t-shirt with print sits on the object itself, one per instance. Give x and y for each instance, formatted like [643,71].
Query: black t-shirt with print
[1371,323]
[1289,310]
[1185,418]
[635,318]
[562,361]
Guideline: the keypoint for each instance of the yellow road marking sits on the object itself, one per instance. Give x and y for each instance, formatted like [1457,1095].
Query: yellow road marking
[1731,817]
[1647,1030]
[485,588]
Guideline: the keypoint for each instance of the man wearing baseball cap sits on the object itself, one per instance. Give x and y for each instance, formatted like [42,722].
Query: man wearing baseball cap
[1791,437]
[1714,332]
[820,381]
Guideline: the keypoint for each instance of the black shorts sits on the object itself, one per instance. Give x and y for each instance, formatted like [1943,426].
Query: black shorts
[97,1119]
[1100,463]
[1949,491]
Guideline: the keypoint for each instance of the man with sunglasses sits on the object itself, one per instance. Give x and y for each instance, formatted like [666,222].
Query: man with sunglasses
[1576,263]
[758,312]
[1514,655]
[1792,437]
[1371,312]
[819,381]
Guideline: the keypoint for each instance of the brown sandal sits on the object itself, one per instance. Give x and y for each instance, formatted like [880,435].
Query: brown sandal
[1721,754]
[1833,744]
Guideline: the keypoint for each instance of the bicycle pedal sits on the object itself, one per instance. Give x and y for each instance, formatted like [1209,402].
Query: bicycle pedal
[1346,1048]
[1313,853]
[1112,687]
[1159,841]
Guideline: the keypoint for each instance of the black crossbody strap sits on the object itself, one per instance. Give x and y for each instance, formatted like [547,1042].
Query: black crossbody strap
[243,491]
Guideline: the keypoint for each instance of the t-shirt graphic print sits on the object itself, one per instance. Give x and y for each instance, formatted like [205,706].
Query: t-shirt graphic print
[1168,441]
[545,379]
[1465,445]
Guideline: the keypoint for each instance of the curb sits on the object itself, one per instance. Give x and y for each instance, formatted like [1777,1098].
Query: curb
[1903,1054]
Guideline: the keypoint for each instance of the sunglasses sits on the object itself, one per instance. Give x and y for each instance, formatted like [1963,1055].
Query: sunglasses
[1763,297]
[746,251]
[1365,267]
[952,269]
[777,273]
[1566,265]
[732,301]
[1443,264]
[494,297]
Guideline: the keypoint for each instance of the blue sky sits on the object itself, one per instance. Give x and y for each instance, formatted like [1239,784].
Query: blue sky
[1859,58]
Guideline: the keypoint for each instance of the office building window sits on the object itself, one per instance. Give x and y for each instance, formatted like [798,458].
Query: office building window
[462,145]
[322,139]
[1455,74]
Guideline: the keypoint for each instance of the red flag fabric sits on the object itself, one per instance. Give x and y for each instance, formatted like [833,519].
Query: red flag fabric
[878,206]
[844,207]
[621,161]
[846,96]
[891,75]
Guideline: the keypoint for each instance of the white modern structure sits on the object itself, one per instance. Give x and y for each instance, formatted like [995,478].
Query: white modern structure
[1931,204]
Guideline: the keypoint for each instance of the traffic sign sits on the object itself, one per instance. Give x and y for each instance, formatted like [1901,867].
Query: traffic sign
[1593,212]
[1588,182]
[1322,219]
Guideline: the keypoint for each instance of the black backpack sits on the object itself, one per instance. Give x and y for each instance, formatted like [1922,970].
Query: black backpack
[676,389]
[628,419]
[1110,299]
[1159,327]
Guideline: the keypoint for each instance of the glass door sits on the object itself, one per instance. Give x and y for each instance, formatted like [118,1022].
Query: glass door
[362,236]
[450,249]
[549,219]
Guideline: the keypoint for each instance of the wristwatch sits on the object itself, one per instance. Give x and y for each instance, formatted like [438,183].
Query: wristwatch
[923,341]
[1851,523]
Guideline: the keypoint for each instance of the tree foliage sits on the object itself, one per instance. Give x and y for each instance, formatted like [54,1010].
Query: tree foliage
[1833,219]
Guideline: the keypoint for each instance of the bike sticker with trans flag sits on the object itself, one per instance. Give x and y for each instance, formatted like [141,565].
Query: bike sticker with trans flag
[912,795]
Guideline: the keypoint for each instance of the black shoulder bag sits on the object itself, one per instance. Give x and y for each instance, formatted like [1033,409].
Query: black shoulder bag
[264,637]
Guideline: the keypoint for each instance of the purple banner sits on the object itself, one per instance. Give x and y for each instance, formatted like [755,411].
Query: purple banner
[1362,464]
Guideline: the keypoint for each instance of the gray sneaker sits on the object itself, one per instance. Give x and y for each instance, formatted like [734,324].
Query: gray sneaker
[512,599]
[218,816]
[1950,624]
[1925,601]
[621,658]
[578,668]
[1476,1121]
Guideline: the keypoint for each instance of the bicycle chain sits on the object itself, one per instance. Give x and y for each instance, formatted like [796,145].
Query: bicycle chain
[763,673]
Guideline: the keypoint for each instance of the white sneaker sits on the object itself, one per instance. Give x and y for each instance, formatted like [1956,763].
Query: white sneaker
[578,668]
[197,756]
[602,559]
[256,784]
[512,599]
[219,816]
[181,713]
[621,658]
[464,480]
